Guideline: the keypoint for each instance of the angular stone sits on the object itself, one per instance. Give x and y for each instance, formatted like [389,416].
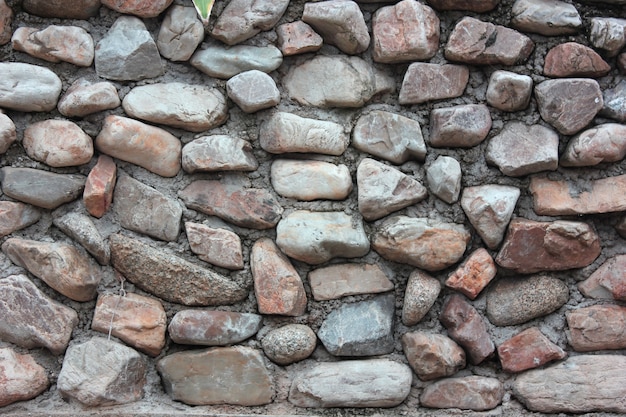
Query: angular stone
[478,6]
[421,242]
[546,17]
[180,34]
[608,33]
[572,59]
[444,178]
[138,7]
[614,103]
[225,62]
[80,228]
[339,280]
[584,383]
[527,350]
[169,277]
[509,91]
[191,107]
[55,44]
[603,143]
[137,320]
[466,327]
[255,208]
[520,149]
[197,377]
[599,327]
[102,372]
[317,237]
[132,141]
[242,19]
[432,356]
[31,319]
[253,90]
[289,344]
[389,136]
[277,285]
[310,180]
[83,98]
[6,21]
[474,274]
[99,187]
[8,132]
[16,216]
[64,9]
[467,393]
[58,143]
[297,38]
[462,126]
[608,281]
[365,383]
[22,377]
[425,82]
[28,88]
[218,153]
[219,247]
[420,294]
[213,328]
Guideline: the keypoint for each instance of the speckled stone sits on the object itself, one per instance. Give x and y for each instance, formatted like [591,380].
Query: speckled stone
[289,344]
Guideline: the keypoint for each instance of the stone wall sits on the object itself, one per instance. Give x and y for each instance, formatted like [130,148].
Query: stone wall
[387,207]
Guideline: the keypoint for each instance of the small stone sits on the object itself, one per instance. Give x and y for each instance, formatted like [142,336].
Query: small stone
[614,103]
[225,62]
[22,377]
[509,91]
[527,350]
[608,281]
[289,344]
[253,90]
[218,247]
[608,33]
[218,153]
[420,294]
[603,143]
[572,59]
[476,393]
[425,82]
[213,328]
[180,34]
[444,178]
[84,98]
[310,180]
[548,18]
[64,9]
[480,6]
[80,228]
[99,187]
[474,274]
[58,143]
[138,7]
[6,22]
[55,44]
[462,126]
[336,281]
[242,19]
[8,132]
[297,38]
[599,327]
[28,88]
[432,356]
[16,216]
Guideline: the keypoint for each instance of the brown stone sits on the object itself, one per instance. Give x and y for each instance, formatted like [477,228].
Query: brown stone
[546,17]
[336,281]
[426,82]
[213,328]
[477,393]
[509,91]
[21,377]
[474,274]
[83,98]
[219,247]
[432,356]
[58,143]
[602,143]
[297,38]
[141,8]
[420,294]
[64,9]
[599,327]
[478,6]
[527,350]
[6,20]
[608,281]
[16,216]
[71,44]
[98,193]
[572,59]
[462,126]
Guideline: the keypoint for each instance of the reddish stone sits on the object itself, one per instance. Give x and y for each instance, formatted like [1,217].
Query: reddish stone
[528,349]
[219,247]
[16,216]
[598,327]
[213,328]
[468,393]
[432,356]
[509,91]
[572,59]
[141,8]
[297,38]
[99,187]
[83,98]
[21,378]
[603,143]
[474,274]
[6,20]
[608,281]
[478,6]
[461,126]
[58,143]
[426,82]
[336,281]
[56,43]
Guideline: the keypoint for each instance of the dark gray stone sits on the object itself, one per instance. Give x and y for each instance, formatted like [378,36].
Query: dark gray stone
[221,62]
[82,229]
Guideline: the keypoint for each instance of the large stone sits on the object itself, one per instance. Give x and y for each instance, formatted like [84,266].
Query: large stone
[572,59]
[253,90]
[222,62]
[139,8]
[82,229]
[336,281]
[608,281]
[297,38]
[425,82]
[603,143]
[83,98]
[64,9]
[432,356]
[216,246]
[55,44]
[509,91]
[218,153]
[99,187]
[6,21]
[16,216]
[444,178]
[467,393]
[474,274]
[22,377]
[608,33]
[599,327]
[478,6]
[527,350]
[310,180]
[180,34]
[420,295]
[242,19]
[546,17]
[58,143]
[8,132]
[213,328]
[289,344]
[41,188]
[461,126]
[28,88]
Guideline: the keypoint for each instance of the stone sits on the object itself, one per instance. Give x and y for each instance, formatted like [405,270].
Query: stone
[128,52]
[225,62]
[83,98]
[297,38]
[520,149]
[482,43]
[170,277]
[218,153]
[195,108]
[608,33]
[389,136]
[310,180]
[55,44]
[213,328]
[253,90]
[101,372]
[219,247]
[365,383]
[608,281]
[57,143]
[461,126]
[148,146]
[81,228]
[474,274]
[599,327]
[584,383]
[242,19]
[197,377]
[288,344]
[420,242]
[8,132]
[254,208]
[22,377]
[476,393]
[64,9]
[489,209]
[98,193]
[444,178]
[137,320]
[420,295]
[432,356]
[28,88]
[16,216]
[466,327]
[527,350]
[138,7]
[572,59]
[288,133]
[480,6]
[548,18]
[6,22]
[556,198]
[31,319]
[569,104]
[383,189]
[317,237]
[180,33]
[277,285]
[614,103]
[424,82]
[340,23]
[602,143]
[406,31]
[509,91]
[340,280]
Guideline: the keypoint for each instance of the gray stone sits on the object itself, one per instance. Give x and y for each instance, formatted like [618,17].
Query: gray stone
[614,102]
[218,153]
[55,44]
[213,328]
[602,143]
[41,188]
[83,98]
[180,34]
[477,393]
[219,247]
[242,19]
[509,91]
[444,178]
[548,18]
[432,356]
[8,133]
[425,82]
[462,126]
[16,216]
[82,229]
[336,281]
[598,327]
[22,377]
[28,88]
[225,62]
[57,143]
[310,180]
[253,90]
[608,33]
[64,9]
[289,344]
[420,295]
[607,282]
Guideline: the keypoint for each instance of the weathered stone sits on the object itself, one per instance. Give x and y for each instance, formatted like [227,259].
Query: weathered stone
[466,327]
[509,91]
[297,38]
[599,327]
[548,18]
[8,132]
[55,44]
[614,103]
[41,188]
[213,328]
[310,180]
[99,187]
[58,143]
[22,377]
[572,59]
[64,9]
[608,281]
[603,143]
[421,242]
[432,356]
[336,281]
[289,344]
[197,377]
[364,383]
[6,21]
[474,274]
[16,216]
[462,126]
[180,34]
[132,141]
[242,19]
[219,247]
[277,285]
[84,98]
[316,237]
[608,33]
[527,350]
[420,294]
[26,87]
[425,82]
[81,229]
[31,319]
[478,6]
[218,153]
[467,393]
[253,90]
[139,8]
[170,277]
[225,62]
[444,178]
[191,107]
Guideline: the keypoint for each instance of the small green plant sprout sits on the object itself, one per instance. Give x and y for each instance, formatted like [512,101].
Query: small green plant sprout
[204,9]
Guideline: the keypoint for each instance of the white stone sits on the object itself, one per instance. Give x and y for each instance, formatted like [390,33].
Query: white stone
[310,180]
[444,178]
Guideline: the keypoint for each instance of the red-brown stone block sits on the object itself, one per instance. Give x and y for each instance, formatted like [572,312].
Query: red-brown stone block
[474,274]
[528,349]
[99,187]
[599,327]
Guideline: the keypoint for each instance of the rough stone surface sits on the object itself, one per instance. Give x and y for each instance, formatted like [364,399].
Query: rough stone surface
[297,38]
[213,328]
[40,188]
[72,9]
[340,280]
[98,192]
[226,62]
[58,143]
[83,98]
[21,376]
[289,344]
[608,33]
[218,153]
[432,356]
[509,91]
[180,34]
[608,281]
[599,327]
[420,294]
[548,18]
[16,216]
[8,132]
[242,19]
[444,178]
[425,82]
[26,87]
[467,393]
[572,59]
[138,8]
[310,180]
[55,44]
[474,274]
[5,22]
[462,126]
[82,229]
[216,246]
[603,143]
[527,350]
[614,103]
[253,90]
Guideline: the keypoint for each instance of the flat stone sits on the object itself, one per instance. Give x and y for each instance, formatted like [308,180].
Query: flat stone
[289,344]
[425,82]
[218,153]
[466,327]
[64,9]
[102,372]
[584,383]
[225,62]
[421,242]
[444,178]
[462,126]
[138,7]
[520,149]
[137,320]
[420,295]
[28,88]
[548,18]
[277,285]
[41,188]
[603,143]
[614,103]
[509,91]
[339,280]
[477,393]
[169,277]
[83,98]
[310,180]
[242,19]
[55,44]
[81,228]
[218,247]
[474,274]
[148,146]
[478,6]
[572,59]
[608,281]
[317,237]
[8,132]
[31,319]
[58,143]
[297,38]
[255,208]
[191,107]
[22,377]
[16,216]
[432,356]
[365,383]
[180,33]
[213,328]
[608,33]
[197,377]
[599,327]
[253,90]
[527,350]
[98,193]
[6,22]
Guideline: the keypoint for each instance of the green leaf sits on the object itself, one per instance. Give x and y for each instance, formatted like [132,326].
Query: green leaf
[204,9]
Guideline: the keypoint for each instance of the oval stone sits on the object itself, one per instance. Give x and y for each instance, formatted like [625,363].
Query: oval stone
[289,344]
[26,87]
[58,143]
[213,328]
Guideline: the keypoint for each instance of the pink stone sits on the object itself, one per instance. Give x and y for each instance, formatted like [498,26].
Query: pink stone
[468,393]
[297,38]
[509,91]
[99,187]
[461,126]
[426,82]
[572,59]
[141,8]
[219,247]
[608,281]
[21,377]
[16,216]
[602,143]
[527,350]
[58,143]
[56,43]
[599,327]
[474,274]
[83,98]
[432,356]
